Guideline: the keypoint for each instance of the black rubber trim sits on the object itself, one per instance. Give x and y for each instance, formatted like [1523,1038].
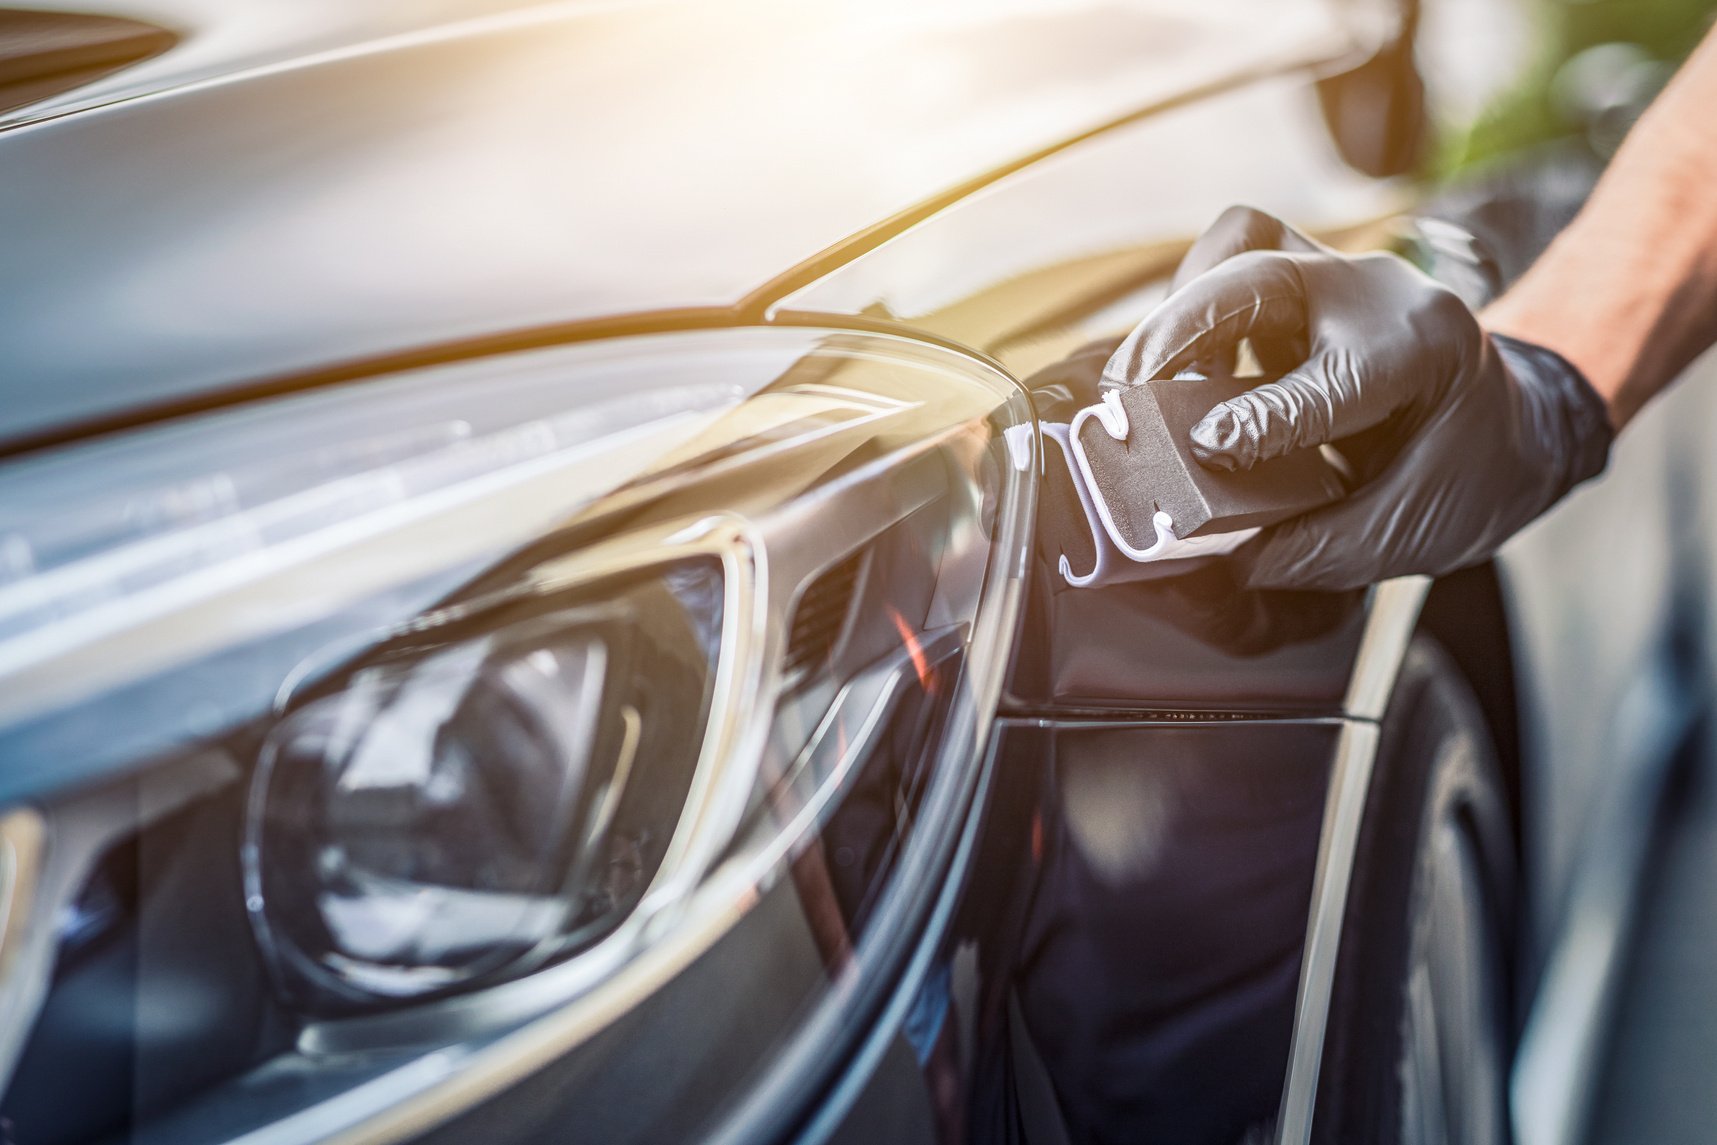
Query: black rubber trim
[1066,716]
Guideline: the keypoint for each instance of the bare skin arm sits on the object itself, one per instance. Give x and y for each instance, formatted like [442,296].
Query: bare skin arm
[1628,292]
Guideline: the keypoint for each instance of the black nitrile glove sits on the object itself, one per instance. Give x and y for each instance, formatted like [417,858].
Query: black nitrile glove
[1459,437]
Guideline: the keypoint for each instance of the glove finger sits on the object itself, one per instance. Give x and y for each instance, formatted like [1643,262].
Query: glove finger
[1386,528]
[1238,230]
[1322,401]
[1325,549]
[1257,294]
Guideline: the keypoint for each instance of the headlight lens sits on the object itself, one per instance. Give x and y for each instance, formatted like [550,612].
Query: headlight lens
[504,692]
[467,804]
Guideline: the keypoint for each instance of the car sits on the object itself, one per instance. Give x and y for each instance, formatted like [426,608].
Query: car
[520,618]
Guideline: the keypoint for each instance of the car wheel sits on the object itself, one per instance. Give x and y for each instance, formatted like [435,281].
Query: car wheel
[1419,1037]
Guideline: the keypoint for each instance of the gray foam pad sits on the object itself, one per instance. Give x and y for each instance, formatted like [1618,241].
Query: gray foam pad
[1154,468]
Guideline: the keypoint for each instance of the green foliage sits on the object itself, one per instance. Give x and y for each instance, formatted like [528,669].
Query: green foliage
[1527,116]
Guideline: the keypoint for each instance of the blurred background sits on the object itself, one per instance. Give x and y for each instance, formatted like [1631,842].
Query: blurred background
[1573,72]
[1621,831]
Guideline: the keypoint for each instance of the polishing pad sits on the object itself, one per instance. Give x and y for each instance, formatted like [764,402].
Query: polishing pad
[1072,531]
[1135,451]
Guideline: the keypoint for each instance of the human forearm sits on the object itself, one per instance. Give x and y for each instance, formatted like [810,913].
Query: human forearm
[1628,292]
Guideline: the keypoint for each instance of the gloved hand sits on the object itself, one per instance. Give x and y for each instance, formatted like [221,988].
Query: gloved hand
[1459,437]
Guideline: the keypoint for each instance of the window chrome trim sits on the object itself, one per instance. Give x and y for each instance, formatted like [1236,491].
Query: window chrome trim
[1344,808]
[1395,606]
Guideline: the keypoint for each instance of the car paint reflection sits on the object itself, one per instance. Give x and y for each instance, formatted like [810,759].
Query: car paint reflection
[1159,966]
[555,166]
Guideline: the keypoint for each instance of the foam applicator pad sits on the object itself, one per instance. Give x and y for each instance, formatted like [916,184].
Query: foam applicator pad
[1070,528]
[1136,450]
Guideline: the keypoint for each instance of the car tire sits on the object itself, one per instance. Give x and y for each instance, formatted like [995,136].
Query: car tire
[1419,1038]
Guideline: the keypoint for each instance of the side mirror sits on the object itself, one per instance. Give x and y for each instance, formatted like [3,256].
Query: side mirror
[1376,111]
[43,54]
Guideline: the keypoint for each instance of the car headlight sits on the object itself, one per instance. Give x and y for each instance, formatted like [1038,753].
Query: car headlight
[510,685]
[481,797]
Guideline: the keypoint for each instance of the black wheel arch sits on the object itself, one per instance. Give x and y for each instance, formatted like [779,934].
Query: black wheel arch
[1466,613]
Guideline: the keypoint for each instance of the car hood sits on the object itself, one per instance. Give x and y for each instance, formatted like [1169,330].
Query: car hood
[195,232]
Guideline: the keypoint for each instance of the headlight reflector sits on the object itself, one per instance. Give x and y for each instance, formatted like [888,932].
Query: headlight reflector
[482,795]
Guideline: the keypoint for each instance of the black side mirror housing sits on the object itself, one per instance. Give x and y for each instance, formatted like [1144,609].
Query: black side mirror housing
[1376,111]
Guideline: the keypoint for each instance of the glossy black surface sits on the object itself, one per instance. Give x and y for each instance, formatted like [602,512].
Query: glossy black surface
[1187,642]
[1133,931]
[1159,967]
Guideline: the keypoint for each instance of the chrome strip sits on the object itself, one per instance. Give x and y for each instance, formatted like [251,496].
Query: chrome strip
[1349,784]
[21,837]
[1394,611]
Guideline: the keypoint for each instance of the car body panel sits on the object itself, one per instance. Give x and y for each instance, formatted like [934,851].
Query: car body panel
[1158,967]
[222,37]
[549,167]
[435,195]
[988,273]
